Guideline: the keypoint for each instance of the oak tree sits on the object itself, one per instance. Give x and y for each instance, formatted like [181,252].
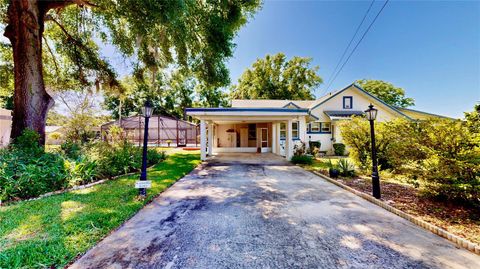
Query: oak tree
[275,77]
[194,34]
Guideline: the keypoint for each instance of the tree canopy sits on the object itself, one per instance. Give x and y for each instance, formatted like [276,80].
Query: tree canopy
[170,92]
[276,78]
[56,45]
[387,92]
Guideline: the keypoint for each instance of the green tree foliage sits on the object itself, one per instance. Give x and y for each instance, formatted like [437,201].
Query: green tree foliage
[84,115]
[442,156]
[170,95]
[276,78]
[386,91]
[473,119]
[66,37]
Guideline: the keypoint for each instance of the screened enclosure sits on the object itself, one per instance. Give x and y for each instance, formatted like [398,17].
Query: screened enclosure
[162,131]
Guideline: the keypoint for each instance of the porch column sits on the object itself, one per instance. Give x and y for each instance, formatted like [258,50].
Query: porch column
[210,139]
[302,130]
[278,138]
[274,138]
[288,141]
[203,140]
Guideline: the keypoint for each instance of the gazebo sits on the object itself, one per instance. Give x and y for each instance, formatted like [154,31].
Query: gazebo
[162,131]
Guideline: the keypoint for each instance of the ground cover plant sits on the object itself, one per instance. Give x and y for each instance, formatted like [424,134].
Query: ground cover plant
[27,170]
[52,231]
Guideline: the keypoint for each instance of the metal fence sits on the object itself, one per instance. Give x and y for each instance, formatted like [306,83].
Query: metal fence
[162,131]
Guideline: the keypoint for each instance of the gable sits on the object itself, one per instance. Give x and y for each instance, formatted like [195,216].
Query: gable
[354,99]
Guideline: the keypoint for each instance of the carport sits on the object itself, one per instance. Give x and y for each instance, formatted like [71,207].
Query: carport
[249,129]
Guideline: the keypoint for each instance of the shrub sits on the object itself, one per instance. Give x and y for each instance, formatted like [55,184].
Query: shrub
[82,171]
[154,156]
[299,148]
[314,144]
[302,159]
[441,156]
[347,169]
[356,134]
[71,149]
[26,171]
[339,149]
[120,158]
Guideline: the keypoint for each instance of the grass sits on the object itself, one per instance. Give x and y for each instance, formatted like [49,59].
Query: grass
[322,163]
[52,231]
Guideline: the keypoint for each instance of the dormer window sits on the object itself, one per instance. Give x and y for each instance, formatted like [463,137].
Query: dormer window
[347,102]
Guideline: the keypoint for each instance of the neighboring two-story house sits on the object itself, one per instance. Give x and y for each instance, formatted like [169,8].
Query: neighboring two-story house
[275,125]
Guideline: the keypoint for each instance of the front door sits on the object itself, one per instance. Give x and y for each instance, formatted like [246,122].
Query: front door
[264,137]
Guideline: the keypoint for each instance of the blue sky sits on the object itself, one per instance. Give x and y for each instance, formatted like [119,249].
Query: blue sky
[430,48]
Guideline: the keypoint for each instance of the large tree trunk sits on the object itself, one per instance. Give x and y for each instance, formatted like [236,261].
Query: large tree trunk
[31,101]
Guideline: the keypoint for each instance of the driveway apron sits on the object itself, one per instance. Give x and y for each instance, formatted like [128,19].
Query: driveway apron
[259,211]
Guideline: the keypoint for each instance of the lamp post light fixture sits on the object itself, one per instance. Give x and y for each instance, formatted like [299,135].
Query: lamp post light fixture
[147,113]
[371,114]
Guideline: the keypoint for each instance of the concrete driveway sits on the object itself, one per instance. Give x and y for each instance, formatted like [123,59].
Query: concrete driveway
[258,211]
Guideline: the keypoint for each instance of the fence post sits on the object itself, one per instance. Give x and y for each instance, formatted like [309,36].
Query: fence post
[177,133]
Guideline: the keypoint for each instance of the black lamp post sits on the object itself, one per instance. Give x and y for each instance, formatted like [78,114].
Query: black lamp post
[147,113]
[371,114]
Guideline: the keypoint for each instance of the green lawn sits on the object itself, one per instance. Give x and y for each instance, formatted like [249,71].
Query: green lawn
[52,231]
[322,163]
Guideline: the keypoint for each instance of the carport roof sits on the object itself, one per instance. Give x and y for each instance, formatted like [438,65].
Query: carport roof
[246,109]
[245,114]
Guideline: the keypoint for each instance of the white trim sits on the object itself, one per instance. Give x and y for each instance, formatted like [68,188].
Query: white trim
[203,140]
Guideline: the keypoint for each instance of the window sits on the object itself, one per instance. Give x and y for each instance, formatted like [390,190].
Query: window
[252,132]
[326,127]
[295,130]
[283,130]
[347,102]
[315,127]
[320,127]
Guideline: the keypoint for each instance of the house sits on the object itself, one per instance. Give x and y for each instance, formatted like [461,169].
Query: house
[5,127]
[276,125]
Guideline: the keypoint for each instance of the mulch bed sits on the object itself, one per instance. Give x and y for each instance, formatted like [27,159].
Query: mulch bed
[458,219]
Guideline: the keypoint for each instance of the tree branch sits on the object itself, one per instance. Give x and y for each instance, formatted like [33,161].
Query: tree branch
[55,4]
[69,36]
[53,56]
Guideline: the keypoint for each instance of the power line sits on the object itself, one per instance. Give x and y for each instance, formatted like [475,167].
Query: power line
[358,43]
[350,43]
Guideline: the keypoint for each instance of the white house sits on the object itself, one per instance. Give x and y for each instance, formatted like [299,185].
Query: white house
[275,125]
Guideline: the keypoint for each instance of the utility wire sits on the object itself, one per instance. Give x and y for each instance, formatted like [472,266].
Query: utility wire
[358,43]
[350,43]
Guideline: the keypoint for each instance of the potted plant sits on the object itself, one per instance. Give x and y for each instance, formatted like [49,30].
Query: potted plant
[333,171]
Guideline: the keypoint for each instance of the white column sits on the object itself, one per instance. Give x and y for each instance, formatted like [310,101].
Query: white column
[203,140]
[278,137]
[289,142]
[210,139]
[274,138]
[302,130]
